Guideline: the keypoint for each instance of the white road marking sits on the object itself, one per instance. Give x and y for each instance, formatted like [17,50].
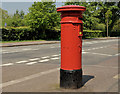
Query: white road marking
[98,53]
[28,78]
[96,48]
[93,42]
[25,49]
[31,63]
[44,60]
[102,54]
[5,52]
[101,66]
[55,58]
[88,43]
[21,62]
[8,64]
[117,54]
[52,47]
[45,57]
[55,55]
[84,52]
[34,59]
[88,49]
[101,47]
[93,48]
[117,76]
[15,51]
[9,52]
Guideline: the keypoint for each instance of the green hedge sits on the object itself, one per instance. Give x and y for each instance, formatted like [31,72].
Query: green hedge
[16,34]
[93,33]
[114,33]
[26,33]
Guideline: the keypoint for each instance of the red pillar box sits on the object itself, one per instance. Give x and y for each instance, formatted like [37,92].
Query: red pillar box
[71,46]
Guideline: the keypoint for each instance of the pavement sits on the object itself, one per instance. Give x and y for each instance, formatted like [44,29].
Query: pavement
[12,44]
[35,68]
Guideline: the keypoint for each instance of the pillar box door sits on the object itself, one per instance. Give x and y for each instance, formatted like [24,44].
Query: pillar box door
[71,46]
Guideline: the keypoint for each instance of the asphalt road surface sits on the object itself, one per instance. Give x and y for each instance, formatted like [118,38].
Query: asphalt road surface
[36,68]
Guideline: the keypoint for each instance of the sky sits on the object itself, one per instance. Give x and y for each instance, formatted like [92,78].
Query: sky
[32,0]
[11,7]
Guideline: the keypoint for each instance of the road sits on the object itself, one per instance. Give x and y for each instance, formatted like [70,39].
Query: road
[36,68]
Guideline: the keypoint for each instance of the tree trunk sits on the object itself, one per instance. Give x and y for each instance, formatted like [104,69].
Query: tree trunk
[107,27]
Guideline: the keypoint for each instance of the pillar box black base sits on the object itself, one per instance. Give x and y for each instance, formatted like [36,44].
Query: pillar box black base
[70,78]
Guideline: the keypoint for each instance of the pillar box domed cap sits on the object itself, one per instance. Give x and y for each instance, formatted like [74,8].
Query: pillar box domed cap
[71,8]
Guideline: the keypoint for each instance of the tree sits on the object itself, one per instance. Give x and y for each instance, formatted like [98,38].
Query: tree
[4,14]
[42,16]
[3,17]
[114,13]
[116,27]
[108,21]
[96,11]
[13,20]
[89,16]
[16,14]
[22,14]
[18,19]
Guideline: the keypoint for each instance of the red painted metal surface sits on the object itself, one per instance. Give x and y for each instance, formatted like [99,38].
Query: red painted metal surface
[71,36]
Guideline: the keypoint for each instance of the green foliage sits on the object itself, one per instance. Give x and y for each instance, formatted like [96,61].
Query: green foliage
[115,34]
[12,33]
[3,15]
[43,21]
[97,13]
[43,17]
[89,19]
[110,11]
[15,20]
[108,16]
[98,26]
[116,27]
[93,33]
[25,33]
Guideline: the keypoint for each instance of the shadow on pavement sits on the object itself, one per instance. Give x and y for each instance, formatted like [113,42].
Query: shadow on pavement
[86,78]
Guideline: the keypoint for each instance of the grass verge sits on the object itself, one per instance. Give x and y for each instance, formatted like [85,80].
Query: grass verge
[20,41]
